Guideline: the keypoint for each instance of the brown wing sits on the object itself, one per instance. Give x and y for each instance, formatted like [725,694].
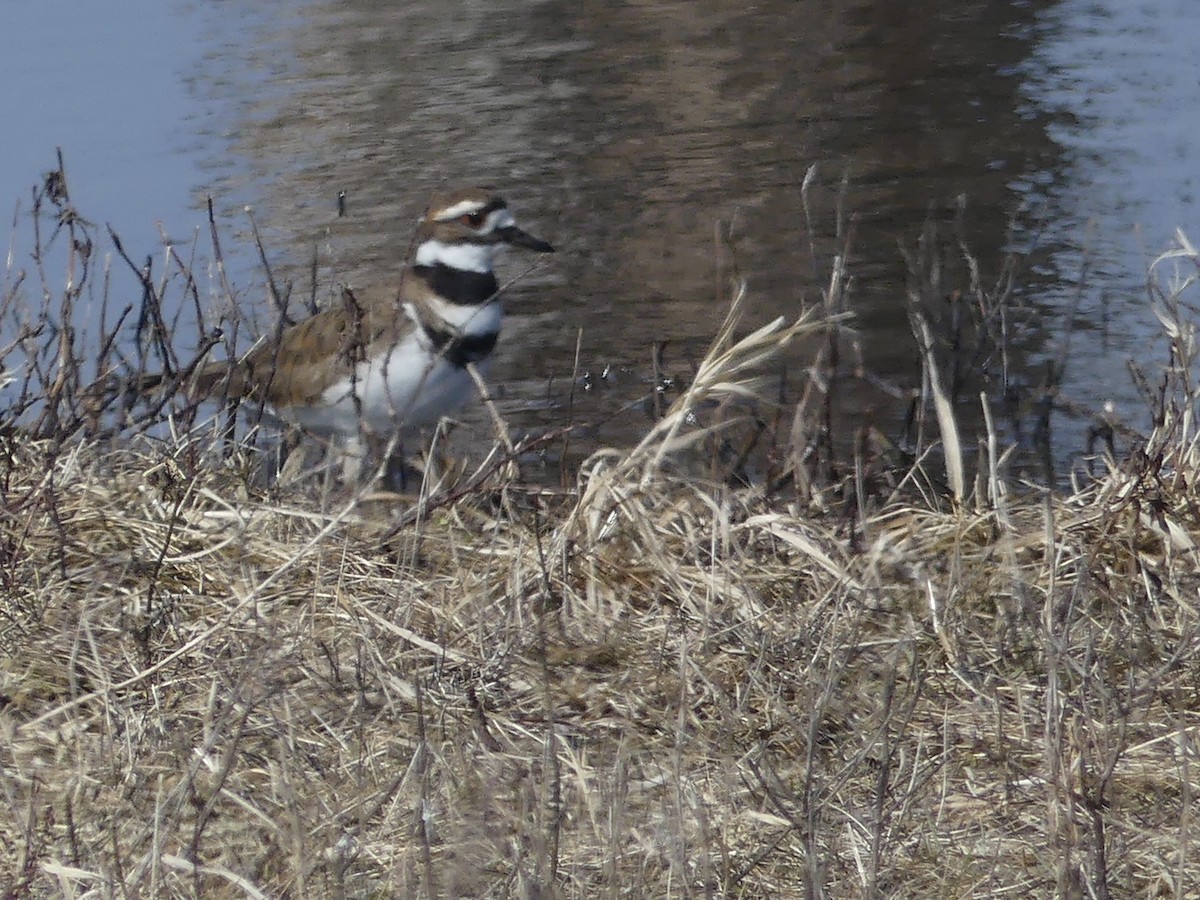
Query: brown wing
[307,358]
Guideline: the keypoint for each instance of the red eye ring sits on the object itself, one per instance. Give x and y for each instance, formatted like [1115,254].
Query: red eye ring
[472,220]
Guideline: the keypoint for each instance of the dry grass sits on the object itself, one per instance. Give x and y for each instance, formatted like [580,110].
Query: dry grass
[657,684]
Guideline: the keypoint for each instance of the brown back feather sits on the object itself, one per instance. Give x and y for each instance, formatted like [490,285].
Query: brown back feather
[295,369]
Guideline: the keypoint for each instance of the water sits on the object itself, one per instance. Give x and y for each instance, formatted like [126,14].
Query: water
[1117,83]
[625,134]
[108,87]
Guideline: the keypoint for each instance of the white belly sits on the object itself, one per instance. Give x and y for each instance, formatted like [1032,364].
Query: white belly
[406,389]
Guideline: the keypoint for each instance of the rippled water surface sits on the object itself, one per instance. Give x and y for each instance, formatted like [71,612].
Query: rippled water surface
[625,133]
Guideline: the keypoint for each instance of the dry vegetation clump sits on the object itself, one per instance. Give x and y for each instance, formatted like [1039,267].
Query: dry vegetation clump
[655,684]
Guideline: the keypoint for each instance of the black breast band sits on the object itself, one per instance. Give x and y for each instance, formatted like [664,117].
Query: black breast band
[460,286]
[460,350]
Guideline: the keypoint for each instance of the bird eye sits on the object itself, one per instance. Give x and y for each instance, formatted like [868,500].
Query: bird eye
[472,220]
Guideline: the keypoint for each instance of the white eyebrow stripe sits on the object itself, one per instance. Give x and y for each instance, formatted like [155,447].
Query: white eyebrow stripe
[462,208]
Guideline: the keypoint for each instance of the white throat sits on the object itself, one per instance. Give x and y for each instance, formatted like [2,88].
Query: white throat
[471,257]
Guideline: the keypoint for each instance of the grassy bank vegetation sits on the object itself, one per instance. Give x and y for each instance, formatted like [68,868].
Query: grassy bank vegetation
[723,662]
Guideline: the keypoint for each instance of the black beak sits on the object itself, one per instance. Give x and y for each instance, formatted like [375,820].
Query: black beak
[518,238]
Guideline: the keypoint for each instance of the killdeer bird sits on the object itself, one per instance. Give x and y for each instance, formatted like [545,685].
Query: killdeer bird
[384,364]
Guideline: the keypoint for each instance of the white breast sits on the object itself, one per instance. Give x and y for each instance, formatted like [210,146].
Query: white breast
[408,387]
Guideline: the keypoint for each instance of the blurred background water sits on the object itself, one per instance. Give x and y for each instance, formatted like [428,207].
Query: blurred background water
[1060,130]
